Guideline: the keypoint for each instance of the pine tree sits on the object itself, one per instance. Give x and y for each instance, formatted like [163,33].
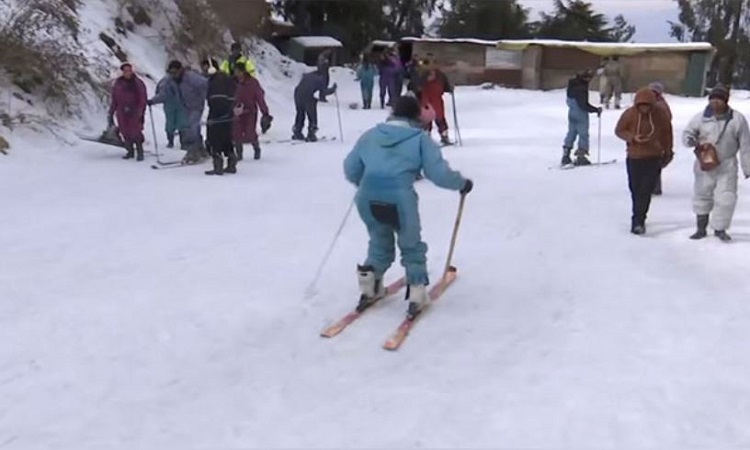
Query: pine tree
[483,19]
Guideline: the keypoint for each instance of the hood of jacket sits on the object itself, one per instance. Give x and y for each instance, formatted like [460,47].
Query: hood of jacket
[394,132]
[645,96]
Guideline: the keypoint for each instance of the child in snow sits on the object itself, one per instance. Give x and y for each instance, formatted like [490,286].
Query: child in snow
[366,77]
[384,164]
[722,131]
[430,86]
[579,109]
[250,98]
[221,114]
[129,105]
[647,131]
[306,104]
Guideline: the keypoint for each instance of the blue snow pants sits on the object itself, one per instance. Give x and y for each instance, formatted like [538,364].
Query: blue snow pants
[392,216]
[578,126]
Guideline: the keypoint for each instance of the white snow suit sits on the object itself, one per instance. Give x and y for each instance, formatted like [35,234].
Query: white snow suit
[715,191]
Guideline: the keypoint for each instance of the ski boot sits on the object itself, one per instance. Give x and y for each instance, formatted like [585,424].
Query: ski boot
[581,159]
[298,136]
[256,151]
[311,137]
[701,222]
[418,300]
[371,288]
[566,161]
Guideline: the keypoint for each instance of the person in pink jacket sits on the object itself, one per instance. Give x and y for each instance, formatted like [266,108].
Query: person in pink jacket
[129,106]
[249,98]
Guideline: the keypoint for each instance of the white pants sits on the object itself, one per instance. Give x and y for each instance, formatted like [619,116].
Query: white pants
[715,193]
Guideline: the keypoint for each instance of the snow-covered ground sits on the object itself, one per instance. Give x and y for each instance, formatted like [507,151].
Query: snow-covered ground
[144,309]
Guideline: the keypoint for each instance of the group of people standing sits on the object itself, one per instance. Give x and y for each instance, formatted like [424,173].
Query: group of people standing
[718,134]
[234,97]
[425,81]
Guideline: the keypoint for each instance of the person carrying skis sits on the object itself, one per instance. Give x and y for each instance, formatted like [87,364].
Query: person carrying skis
[128,104]
[384,165]
[249,98]
[192,88]
[647,132]
[366,76]
[236,57]
[579,109]
[221,114]
[306,104]
[173,110]
[661,102]
[718,134]
[430,86]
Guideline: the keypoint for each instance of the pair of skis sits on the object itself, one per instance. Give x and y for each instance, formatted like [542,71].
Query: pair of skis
[399,335]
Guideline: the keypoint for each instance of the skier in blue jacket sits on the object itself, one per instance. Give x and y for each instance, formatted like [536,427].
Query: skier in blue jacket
[384,164]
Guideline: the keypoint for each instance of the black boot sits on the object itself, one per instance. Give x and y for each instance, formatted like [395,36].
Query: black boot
[722,234]
[239,150]
[231,164]
[139,151]
[701,222]
[581,159]
[311,137]
[130,149]
[170,140]
[565,161]
[297,136]
[637,228]
[218,166]
[256,151]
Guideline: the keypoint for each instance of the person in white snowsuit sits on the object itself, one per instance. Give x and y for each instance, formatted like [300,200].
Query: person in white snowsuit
[715,190]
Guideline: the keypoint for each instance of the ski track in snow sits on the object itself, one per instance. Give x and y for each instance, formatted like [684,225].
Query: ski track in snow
[142,309]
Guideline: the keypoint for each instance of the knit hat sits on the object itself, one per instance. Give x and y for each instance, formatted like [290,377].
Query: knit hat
[657,87]
[174,65]
[125,64]
[719,92]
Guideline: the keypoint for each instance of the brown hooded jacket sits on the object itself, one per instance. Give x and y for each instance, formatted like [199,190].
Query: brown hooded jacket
[654,128]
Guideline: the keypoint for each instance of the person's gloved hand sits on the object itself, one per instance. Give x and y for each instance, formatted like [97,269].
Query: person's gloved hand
[265,123]
[468,186]
[599,111]
[149,102]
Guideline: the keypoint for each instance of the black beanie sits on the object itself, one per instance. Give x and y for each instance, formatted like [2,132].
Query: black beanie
[407,107]
[719,92]
[174,65]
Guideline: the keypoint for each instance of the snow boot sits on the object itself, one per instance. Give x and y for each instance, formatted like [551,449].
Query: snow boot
[129,146]
[701,221]
[638,229]
[311,137]
[722,234]
[581,159]
[231,164]
[566,157]
[139,151]
[218,166]
[418,299]
[239,149]
[256,151]
[371,288]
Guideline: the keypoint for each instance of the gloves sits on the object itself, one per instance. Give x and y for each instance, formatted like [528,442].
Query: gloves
[468,186]
[666,158]
[599,111]
[691,141]
[149,102]
[265,123]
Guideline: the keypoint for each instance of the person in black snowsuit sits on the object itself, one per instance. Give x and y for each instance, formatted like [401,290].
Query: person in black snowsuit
[579,109]
[307,105]
[220,96]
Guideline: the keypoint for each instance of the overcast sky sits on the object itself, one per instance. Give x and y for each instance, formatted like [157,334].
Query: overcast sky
[649,16]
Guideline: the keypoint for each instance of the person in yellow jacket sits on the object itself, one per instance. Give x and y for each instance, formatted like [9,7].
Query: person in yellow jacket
[227,66]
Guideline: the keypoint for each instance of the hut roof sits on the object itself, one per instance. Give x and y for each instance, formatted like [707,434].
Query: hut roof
[317,41]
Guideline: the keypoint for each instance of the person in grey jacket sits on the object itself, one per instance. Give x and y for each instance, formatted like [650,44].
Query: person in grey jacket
[306,104]
[192,88]
[715,190]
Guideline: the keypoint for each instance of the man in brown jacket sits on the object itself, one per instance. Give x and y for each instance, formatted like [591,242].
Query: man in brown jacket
[647,131]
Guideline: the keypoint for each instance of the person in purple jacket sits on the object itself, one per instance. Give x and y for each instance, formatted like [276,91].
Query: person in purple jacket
[388,71]
[129,106]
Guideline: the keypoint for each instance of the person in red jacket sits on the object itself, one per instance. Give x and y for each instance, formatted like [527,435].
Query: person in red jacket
[430,87]
[249,98]
[129,106]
